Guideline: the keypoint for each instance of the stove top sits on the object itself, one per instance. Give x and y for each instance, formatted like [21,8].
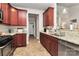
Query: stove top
[5,39]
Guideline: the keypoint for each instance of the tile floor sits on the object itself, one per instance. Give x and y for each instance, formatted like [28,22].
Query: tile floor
[34,48]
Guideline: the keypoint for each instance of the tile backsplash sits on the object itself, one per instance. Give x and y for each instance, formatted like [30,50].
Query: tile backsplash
[11,29]
[3,28]
[15,28]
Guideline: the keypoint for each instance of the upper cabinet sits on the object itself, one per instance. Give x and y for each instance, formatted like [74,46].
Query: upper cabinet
[0,5]
[48,17]
[13,16]
[18,17]
[6,13]
[21,17]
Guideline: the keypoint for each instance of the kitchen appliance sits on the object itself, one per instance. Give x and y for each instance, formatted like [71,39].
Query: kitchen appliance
[5,45]
[1,15]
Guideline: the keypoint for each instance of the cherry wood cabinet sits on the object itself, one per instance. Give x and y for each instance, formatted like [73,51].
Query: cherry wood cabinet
[13,16]
[50,43]
[19,40]
[14,41]
[18,17]
[6,13]
[0,6]
[48,17]
[45,19]
[53,46]
[21,18]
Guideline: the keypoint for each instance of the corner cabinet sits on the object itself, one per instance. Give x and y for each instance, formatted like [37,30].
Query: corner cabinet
[50,43]
[48,17]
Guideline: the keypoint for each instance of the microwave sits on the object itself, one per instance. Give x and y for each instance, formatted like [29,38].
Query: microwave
[1,15]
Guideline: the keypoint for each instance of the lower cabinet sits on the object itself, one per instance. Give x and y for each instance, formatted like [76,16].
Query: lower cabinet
[53,46]
[19,40]
[50,43]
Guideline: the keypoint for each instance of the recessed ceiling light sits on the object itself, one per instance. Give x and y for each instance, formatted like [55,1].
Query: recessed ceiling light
[64,11]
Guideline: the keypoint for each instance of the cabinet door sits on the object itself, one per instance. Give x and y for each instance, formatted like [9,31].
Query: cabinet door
[24,39]
[13,16]
[50,43]
[44,19]
[6,10]
[47,20]
[21,40]
[0,5]
[14,41]
[48,17]
[21,18]
[42,39]
[51,16]
[54,46]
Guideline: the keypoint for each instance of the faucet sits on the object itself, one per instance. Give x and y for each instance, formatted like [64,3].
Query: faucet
[59,32]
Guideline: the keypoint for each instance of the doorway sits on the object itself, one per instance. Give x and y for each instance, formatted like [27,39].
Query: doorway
[33,26]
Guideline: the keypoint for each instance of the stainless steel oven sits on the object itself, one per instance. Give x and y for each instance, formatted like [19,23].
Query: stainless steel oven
[5,45]
[6,49]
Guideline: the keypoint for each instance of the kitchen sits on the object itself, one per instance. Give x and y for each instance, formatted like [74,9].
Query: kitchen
[55,29]
[14,22]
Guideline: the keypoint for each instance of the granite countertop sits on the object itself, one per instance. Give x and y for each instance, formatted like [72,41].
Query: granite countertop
[70,36]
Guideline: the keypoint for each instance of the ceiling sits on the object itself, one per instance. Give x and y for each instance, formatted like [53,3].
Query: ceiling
[40,6]
[68,4]
[33,15]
